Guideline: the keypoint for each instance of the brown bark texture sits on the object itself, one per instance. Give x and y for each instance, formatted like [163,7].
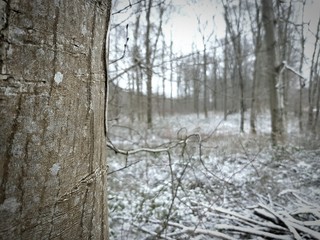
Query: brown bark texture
[52,119]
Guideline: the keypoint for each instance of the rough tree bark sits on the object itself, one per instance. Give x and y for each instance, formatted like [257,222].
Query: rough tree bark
[52,119]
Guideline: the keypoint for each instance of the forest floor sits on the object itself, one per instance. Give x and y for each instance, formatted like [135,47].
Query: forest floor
[197,178]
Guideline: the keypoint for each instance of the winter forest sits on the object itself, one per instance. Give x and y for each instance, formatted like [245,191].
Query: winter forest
[213,119]
[159,119]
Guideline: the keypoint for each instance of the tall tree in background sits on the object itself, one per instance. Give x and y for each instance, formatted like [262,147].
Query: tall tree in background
[148,64]
[196,78]
[313,81]
[171,77]
[225,77]
[151,50]
[255,25]
[302,56]
[205,84]
[52,120]
[284,47]
[235,35]
[214,74]
[205,39]
[272,70]
[163,73]
[137,63]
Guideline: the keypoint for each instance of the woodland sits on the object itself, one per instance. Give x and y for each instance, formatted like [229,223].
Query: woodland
[159,119]
[219,139]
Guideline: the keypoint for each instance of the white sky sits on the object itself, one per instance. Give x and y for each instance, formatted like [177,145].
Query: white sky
[183,25]
[312,14]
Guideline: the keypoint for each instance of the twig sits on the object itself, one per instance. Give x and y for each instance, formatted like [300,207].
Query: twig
[285,222]
[285,65]
[186,229]
[151,232]
[225,211]
[125,46]
[252,231]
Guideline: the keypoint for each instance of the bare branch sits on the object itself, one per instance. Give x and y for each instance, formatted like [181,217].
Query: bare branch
[285,64]
[125,46]
[193,230]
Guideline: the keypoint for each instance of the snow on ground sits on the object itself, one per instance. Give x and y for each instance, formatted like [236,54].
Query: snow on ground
[208,162]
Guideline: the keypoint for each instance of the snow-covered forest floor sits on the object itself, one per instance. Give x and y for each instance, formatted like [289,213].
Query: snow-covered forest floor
[205,180]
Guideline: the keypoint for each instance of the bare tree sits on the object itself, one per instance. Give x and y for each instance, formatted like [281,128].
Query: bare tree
[215,70]
[272,70]
[148,64]
[255,24]
[163,72]
[137,62]
[301,80]
[150,56]
[195,73]
[52,122]
[171,77]
[284,45]
[225,77]
[235,36]
[205,40]
[205,84]
[316,93]
[313,81]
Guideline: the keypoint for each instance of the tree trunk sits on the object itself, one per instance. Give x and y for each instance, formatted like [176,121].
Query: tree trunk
[253,112]
[301,81]
[312,88]
[257,47]
[285,46]
[171,78]
[215,80]
[163,71]
[52,119]
[137,62]
[205,97]
[241,84]
[196,84]
[236,41]
[148,66]
[272,71]
[225,78]
[316,95]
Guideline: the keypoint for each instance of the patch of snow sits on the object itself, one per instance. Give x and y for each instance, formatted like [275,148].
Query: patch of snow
[231,170]
[303,165]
